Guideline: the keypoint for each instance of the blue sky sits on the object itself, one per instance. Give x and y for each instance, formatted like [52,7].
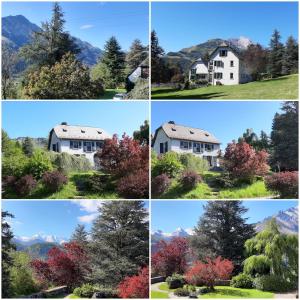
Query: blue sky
[169,215]
[51,217]
[94,22]
[36,119]
[185,24]
[227,120]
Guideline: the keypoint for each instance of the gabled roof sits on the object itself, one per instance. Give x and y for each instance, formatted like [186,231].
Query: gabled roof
[181,132]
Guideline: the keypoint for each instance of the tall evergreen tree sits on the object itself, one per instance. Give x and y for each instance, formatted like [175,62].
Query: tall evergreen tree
[263,142]
[275,57]
[111,67]
[119,243]
[143,134]
[7,246]
[222,231]
[28,146]
[249,137]
[80,235]
[284,138]
[290,57]
[51,43]
[136,54]
[157,64]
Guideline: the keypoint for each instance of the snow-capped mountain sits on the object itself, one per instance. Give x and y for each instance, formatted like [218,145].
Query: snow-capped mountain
[38,238]
[241,42]
[179,232]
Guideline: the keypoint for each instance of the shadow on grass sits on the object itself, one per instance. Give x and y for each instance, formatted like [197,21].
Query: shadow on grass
[199,96]
[229,292]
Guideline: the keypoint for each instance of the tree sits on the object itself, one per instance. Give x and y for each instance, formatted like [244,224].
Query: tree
[28,147]
[249,137]
[110,68]
[157,63]
[261,142]
[136,54]
[272,252]
[66,79]
[80,235]
[275,57]
[222,231]
[119,244]
[7,262]
[51,43]
[170,257]
[142,135]
[136,286]
[264,142]
[290,57]
[207,273]
[242,162]
[284,138]
[67,266]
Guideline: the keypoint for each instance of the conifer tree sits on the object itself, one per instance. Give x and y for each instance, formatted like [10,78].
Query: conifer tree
[157,64]
[28,147]
[135,56]
[275,57]
[119,241]
[80,235]
[290,57]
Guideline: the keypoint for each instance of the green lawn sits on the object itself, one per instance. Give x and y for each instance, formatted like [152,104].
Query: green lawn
[159,295]
[72,296]
[230,292]
[164,287]
[109,93]
[285,87]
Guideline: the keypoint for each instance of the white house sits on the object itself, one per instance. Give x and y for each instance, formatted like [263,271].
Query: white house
[142,71]
[77,140]
[223,67]
[184,139]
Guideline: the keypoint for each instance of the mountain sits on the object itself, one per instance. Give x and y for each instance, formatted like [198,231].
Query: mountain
[17,32]
[38,238]
[37,142]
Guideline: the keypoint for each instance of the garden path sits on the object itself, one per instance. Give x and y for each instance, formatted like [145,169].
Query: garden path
[291,295]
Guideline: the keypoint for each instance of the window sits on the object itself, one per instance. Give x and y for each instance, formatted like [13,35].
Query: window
[193,71]
[99,145]
[223,53]
[75,145]
[166,147]
[161,148]
[218,75]
[201,76]
[218,63]
[231,75]
[231,63]
[197,148]
[54,148]
[209,147]
[88,146]
[184,145]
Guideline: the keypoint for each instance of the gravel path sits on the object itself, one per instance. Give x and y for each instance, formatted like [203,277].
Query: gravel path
[286,295]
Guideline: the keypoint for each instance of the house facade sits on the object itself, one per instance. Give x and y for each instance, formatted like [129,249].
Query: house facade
[184,139]
[77,140]
[142,71]
[224,66]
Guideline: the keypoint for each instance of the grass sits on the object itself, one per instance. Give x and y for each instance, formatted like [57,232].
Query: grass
[109,93]
[230,292]
[159,295]
[164,287]
[73,296]
[285,87]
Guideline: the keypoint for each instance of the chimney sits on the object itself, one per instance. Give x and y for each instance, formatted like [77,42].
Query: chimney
[64,123]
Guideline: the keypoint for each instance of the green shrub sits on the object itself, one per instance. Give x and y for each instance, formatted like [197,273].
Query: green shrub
[169,164]
[204,290]
[273,283]
[191,162]
[175,281]
[140,90]
[224,181]
[38,164]
[182,292]
[14,165]
[85,291]
[242,280]
[107,293]
[98,183]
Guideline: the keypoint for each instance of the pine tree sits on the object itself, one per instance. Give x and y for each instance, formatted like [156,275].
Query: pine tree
[275,57]
[135,56]
[28,147]
[157,65]
[222,231]
[249,137]
[80,235]
[263,142]
[7,262]
[50,44]
[284,138]
[290,57]
[119,241]
[142,135]
[110,69]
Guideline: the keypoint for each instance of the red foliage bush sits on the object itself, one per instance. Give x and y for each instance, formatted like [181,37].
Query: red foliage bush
[190,179]
[285,183]
[25,185]
[54,180]
[208,273]
[243,162]
[171,257]
[160,184]
[135,286]
[135,185]
[8,182]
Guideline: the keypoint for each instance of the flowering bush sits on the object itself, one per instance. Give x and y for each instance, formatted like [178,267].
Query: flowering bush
[54,180]
[207,273]
[285,183]
[135,286]
[25,185]
[190,179]
[160,184]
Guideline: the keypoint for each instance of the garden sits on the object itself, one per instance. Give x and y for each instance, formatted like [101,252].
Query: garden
[252,167]
[36,173]
[217,262]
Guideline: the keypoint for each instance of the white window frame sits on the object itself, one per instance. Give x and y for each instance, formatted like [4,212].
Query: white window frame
[182,145]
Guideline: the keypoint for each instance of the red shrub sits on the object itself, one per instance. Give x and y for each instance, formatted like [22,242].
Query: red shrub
[54,180]
[208,273]
[160,184]
[171,257]
[25,185]
[135,286]
[190,179]
[285,183]
[8,182]
[243,162]
[134,186]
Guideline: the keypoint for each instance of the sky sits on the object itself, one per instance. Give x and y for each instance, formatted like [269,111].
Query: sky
[226,120]
[185,24]
[93,22]
[51,217]
[36,119]
[170,215]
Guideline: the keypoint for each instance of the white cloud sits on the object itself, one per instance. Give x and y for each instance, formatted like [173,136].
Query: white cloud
[190,231]
[87,218]
[90,206]
[86,26]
